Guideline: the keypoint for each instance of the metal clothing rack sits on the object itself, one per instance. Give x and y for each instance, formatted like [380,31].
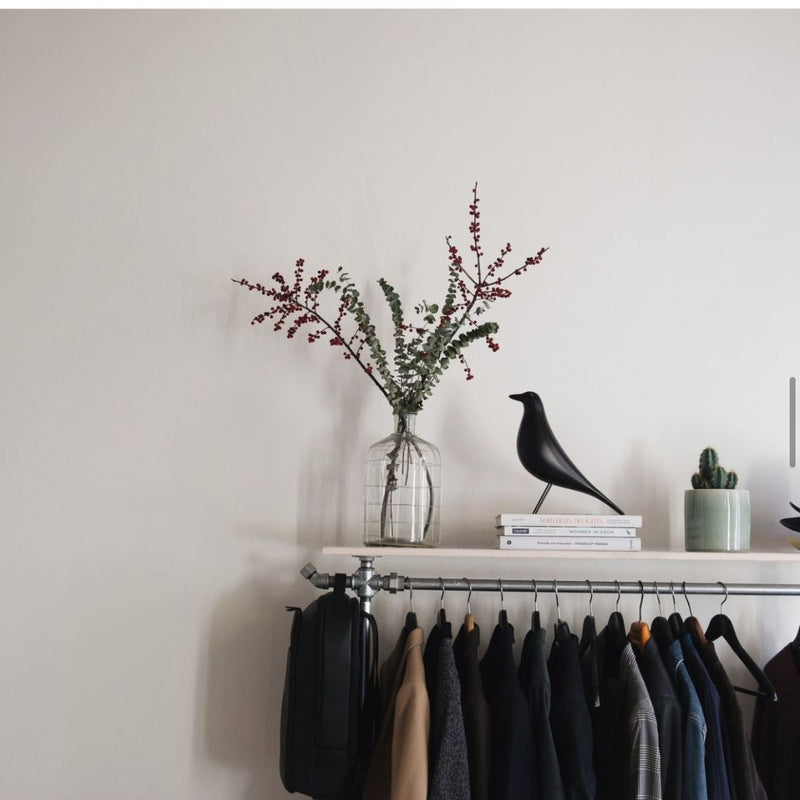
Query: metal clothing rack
[366,583]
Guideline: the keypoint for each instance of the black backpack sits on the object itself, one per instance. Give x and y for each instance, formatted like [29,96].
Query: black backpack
[326,726]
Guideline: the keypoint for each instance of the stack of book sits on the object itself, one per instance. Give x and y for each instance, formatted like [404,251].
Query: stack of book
[568,532]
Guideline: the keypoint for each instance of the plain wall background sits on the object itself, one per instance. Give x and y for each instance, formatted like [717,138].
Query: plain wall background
[167,469]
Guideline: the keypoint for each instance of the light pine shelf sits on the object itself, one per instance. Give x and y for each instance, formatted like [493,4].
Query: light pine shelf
[787,555]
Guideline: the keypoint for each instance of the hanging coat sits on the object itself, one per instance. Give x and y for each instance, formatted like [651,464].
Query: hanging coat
[718,783]
[449,768]
[627,756]
[748,785]
[475,708]
[535,681]
[570,721]
[399,766]
[694,726]
[776,728]
[668,718]
[510,771]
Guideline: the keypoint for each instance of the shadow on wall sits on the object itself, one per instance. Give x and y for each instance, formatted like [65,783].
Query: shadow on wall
[769,482]
[239,707]
[328,486]
[640,492]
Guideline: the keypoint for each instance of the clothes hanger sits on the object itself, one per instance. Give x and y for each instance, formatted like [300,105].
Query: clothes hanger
[586,645]
[615,639]
[794,646]
[660,628]
[796,643]
[589,631]
[502,617]
[721,626]
[692,625]
[616,628]
[441,617]
[411,616]
[469,620]
[536,622]
[639,634]
[675,620]
[562,631]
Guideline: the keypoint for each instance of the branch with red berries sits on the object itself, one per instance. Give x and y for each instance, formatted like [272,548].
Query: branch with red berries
[422,349]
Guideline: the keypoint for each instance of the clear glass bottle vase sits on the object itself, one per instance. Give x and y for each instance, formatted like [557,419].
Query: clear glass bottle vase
[403,489]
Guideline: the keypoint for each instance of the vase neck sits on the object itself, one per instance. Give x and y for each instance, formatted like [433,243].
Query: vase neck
[405,423]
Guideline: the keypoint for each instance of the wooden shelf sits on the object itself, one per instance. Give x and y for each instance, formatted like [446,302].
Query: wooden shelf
[788,555]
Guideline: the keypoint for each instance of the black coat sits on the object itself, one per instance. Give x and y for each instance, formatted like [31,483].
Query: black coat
[668,716]
[570,720]
[475,707]
[510,772]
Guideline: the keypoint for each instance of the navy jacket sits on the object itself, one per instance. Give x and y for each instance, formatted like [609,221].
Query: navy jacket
[510,772]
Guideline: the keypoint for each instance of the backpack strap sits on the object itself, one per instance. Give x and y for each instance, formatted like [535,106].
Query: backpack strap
[339,582]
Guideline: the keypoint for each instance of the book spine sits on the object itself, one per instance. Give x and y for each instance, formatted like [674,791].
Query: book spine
[568,521]
[522,530]
[617,544]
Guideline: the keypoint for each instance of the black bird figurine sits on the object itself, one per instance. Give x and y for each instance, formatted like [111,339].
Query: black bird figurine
[542,455]
[792,523]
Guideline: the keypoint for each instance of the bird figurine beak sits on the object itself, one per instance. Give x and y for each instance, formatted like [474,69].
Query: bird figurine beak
[516,397]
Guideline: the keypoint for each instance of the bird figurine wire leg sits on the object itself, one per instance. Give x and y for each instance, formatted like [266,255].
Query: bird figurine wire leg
[541,499]
[542,455]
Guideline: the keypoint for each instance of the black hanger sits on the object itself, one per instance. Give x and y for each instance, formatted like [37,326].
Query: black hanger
[589,631]
[502,617]
[660,628]
[616,639]
[561,629]
[795,649]
[441,617]
[675,620]
[587,652]
[411,617]
[722,627]
[796,643]
[536,621]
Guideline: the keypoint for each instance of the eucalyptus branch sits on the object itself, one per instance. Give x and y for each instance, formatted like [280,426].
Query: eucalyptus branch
[423,348]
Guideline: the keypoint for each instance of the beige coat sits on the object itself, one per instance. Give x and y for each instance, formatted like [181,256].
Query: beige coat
[399,766]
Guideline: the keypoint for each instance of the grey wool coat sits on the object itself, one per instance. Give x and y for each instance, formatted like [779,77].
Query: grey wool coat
[449,766]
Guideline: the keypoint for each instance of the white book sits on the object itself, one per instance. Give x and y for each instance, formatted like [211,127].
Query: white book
[528,530]
[613,543]
[569,520]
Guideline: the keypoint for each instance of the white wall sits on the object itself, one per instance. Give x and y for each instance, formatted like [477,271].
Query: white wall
[167,469]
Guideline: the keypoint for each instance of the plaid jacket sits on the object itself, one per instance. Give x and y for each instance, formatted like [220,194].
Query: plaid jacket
[644,766]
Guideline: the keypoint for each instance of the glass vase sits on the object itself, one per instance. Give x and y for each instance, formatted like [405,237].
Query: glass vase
[403,489]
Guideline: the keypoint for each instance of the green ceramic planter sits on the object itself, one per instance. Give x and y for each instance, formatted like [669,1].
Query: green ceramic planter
[717,519]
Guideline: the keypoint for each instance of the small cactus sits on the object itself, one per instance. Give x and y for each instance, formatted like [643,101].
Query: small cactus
[712,475]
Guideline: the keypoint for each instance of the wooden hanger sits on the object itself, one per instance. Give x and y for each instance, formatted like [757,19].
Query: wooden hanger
[722,627]
[639,634]
[469,620]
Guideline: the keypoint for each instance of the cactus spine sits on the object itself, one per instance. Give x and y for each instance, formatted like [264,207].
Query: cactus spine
[711,474]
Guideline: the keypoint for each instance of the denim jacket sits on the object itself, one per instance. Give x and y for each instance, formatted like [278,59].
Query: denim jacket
[694,730]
